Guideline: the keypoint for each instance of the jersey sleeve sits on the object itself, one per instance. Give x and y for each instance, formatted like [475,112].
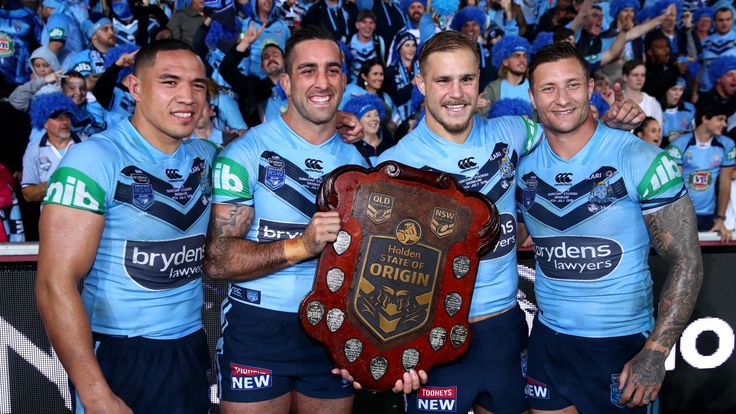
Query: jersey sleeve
[30,166]
[655,175]
[81,184]
[730,159]
[525,133]
[675,151]
[235,172]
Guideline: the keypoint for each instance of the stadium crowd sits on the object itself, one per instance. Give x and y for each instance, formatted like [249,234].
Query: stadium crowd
[672,57]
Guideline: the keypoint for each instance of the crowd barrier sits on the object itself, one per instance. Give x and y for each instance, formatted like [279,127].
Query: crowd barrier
[701,375]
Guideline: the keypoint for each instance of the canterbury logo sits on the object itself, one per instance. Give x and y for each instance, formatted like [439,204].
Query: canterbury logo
[563,178]
[173,174]
[466,163]
[313,164]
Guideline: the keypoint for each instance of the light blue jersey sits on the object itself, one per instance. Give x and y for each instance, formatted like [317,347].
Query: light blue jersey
[676,122]
[585,215]
[278,173]
[146,277]
[701,165]
[485,163]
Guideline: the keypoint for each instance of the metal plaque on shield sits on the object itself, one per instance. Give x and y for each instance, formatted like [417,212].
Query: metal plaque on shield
[393,292]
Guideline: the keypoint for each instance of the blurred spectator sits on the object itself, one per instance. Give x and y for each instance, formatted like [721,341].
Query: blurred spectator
[134,25]
[101,37]
[730,221]
[707,158]
[471,21]
[370,80]
[598,105]
[510,107]
[205,129]
[271,30]
[389,20]
[11,224]
[111,89]
[649,131]
[51,112]
[89,116]
[184,22]
[722,71]
[635,74]
[560,15]
[337,16]
[292,12]
[61,32]
[660,72]
[369,109]
[365,44]
[721,43]
[418,22]
[702,23]
[511,56]
[400,75]
[18,26]
[508,16]
[45,71]
[678,114]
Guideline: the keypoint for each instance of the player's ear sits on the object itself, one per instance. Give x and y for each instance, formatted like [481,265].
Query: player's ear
[285,84]
[421,85]
[134,86]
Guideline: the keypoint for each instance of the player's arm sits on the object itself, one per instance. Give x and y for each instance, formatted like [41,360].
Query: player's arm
[674,235]
[229,256]
[34,192]
[69,241]
[724,194]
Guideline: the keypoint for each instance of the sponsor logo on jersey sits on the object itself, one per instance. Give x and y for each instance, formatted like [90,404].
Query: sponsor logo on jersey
[530,192]
[379,207]
[700,180]
[731,154]
[577,257]
[564,178]
[245,294]
[230,179]
[467,163]
[164,264]
[536,389]
[72,188]
[443,222]
[278,230]
[83,67]
[245,378]
[7,45]
[507,241]
[661,175]
[313,165]
[173,174]
[56,33]
[437,399]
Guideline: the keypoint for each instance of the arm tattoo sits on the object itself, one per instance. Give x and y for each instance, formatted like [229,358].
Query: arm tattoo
[648,368]
[228,255]
[674,235]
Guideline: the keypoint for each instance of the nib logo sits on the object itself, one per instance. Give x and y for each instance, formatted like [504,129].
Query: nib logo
[72,188]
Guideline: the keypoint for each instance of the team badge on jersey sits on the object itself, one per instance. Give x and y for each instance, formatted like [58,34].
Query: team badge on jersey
[700,180]
[7,46]
[379,207]
[275,173]
[143,195]
[437,399]
[615,392]
[245,378]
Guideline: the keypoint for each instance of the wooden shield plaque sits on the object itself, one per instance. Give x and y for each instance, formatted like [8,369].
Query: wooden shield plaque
[393,291]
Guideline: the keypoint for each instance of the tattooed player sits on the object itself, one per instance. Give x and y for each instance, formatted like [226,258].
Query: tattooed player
[589,195]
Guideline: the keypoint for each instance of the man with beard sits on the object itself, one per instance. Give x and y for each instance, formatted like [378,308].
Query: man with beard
[482,155]
[263,232]
[722,42]
[101,35]
[128,201]
[511,57]
[594,345]
[418,22]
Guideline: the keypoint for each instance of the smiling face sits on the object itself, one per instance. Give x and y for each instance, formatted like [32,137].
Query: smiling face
[471,29]
[315,82]
[517,63]
[415,12]
[408,50]
[374,79]
[272,60]
[371,122]
[75,88]
[169,96]
[366,27]
[651,133]
[449,82]
[561,93]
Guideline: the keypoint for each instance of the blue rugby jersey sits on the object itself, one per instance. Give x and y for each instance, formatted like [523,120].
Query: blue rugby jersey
[278,173]
[486,162]
[146,277]
[585,215]
[676,122]
[701,166]
[17,28]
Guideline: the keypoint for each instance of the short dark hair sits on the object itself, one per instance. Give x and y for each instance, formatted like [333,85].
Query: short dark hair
[709,108]
[721,10]
[554,53]
[446,41]
[365,69]
[651,37]
[303,34]
[365,13]
[71,74]
[561,33]
[640,129]
[630,65]
[146,56]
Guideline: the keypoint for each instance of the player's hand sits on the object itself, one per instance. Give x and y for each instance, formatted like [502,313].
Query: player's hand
[720,227]
[623,114]
[322,229]
[641,378]
[108,405]
[410,381]
[349,127]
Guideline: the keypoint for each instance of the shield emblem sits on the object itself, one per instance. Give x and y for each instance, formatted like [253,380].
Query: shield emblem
[142,196]
[528,195]
[275,177]
[443,222]
[379,207]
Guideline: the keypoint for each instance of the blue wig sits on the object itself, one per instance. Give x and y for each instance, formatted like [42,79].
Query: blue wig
[46,105]
[661,5]
[703,12]
[507,46]
[510,106]
[114,54]
[720,66]
[404,5]
[618,5]
[359,105]
[446,7]
[467,14]
[600,104]
[543,39]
